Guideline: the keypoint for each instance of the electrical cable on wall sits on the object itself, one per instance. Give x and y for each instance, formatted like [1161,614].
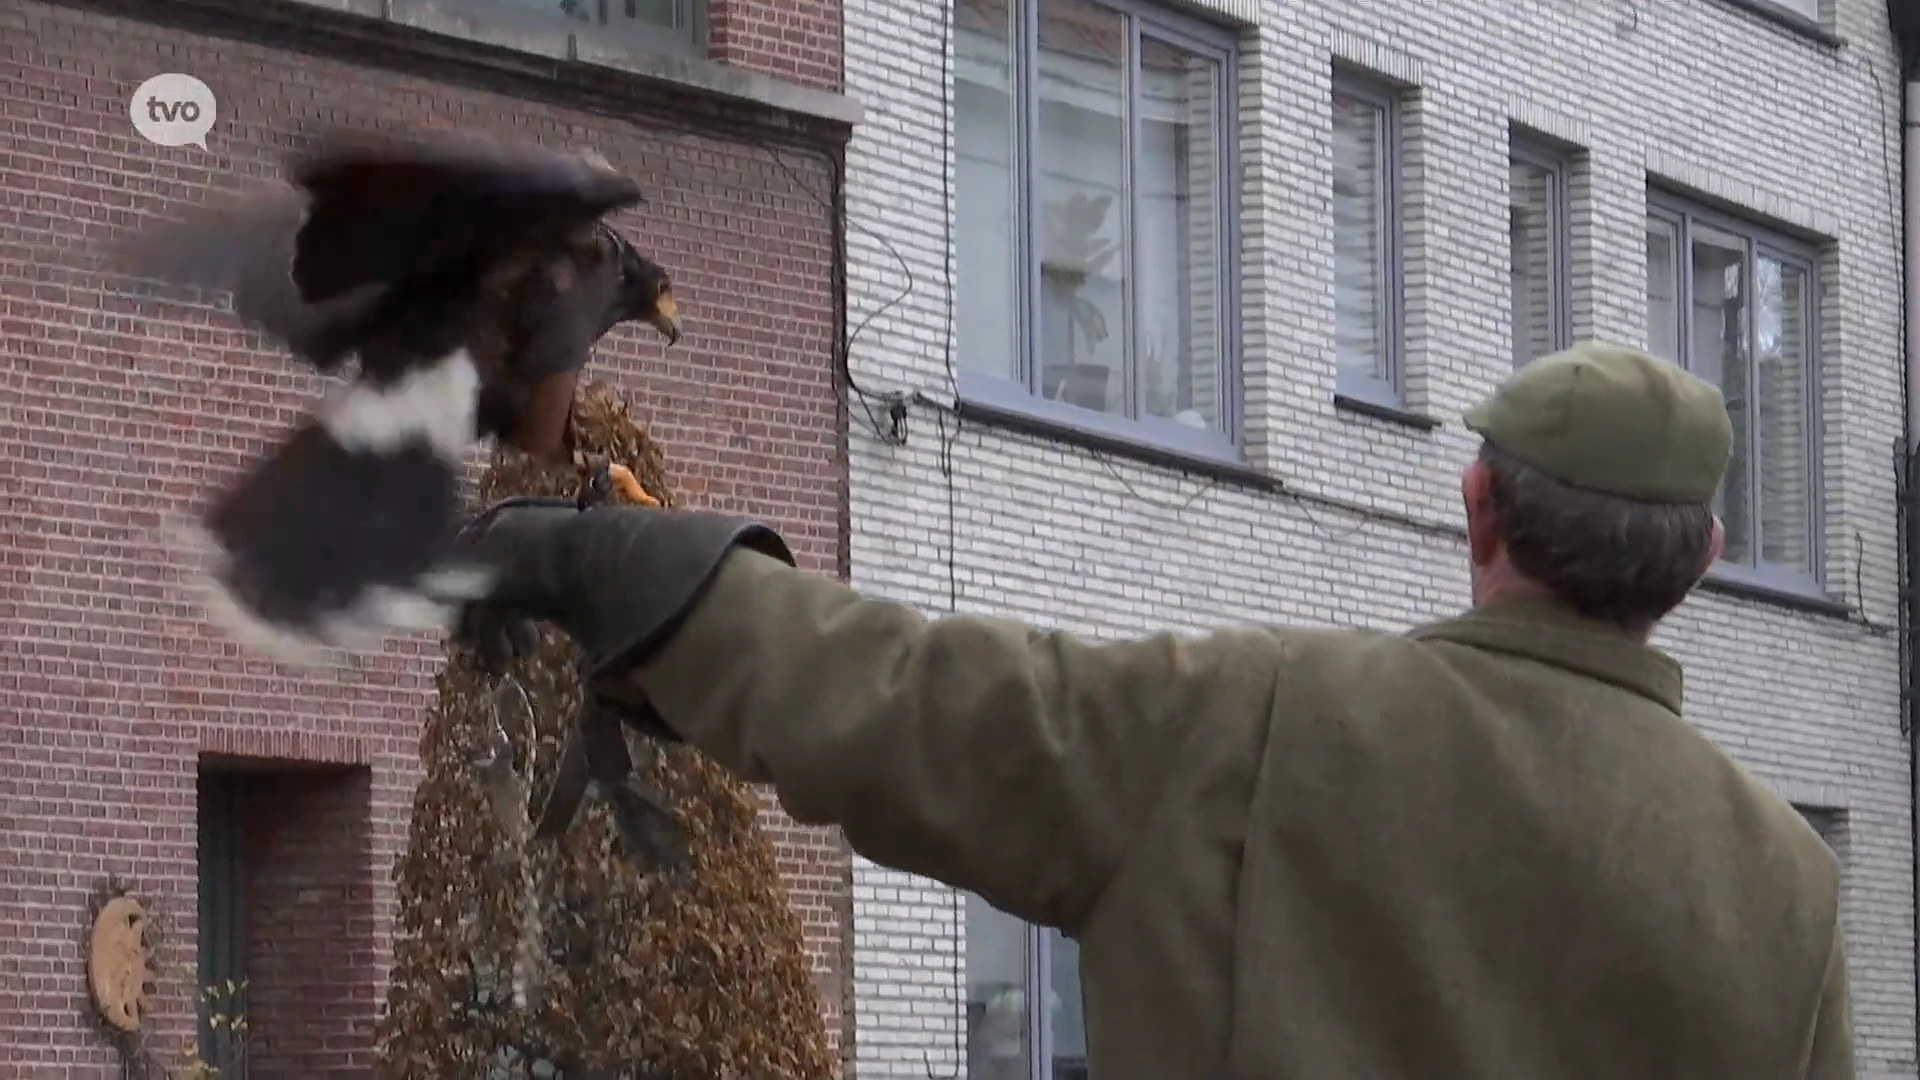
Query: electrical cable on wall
[1902,494]
[949,436]
[894,405]
[949,432]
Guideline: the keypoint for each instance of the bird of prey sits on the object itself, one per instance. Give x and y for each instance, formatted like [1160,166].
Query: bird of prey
[470,280]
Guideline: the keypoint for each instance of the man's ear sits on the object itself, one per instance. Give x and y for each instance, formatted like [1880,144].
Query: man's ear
[1483,524]
[1718,547]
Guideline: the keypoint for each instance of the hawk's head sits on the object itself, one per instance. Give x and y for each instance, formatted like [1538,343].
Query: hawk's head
[645,293]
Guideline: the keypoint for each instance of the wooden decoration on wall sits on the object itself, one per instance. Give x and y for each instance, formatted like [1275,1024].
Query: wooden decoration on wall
[117,963]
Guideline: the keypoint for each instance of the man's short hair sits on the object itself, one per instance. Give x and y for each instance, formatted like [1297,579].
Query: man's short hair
[1608,557]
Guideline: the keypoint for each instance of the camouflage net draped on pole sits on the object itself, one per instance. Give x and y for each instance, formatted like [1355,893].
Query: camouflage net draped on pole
[516,957]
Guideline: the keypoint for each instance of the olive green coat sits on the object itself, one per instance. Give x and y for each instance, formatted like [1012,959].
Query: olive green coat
[1487,848]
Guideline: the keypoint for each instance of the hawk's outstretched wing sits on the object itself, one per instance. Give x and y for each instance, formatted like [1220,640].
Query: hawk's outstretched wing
[244,246]
[470,278]
[386,210]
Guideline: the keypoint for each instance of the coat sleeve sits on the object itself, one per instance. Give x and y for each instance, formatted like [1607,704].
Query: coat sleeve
[1011,762]
[1832,1055]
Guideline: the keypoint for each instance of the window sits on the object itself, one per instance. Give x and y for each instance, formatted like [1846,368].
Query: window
[1366,240]
[1538,236]
[1092,208]
[1733,303]
[222,969]
[1014,1033]
[665,20]
[1831,824]
[1806,9]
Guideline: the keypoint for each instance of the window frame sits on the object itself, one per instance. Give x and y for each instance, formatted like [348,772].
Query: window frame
[692,38]
[1818,17]
[1818,29]
[1039,945]
[691,35]
[1681,212]
[1527,150]
[1390,393]
[1020,396]
[1041,1032]
[1822,12]
[1834,826]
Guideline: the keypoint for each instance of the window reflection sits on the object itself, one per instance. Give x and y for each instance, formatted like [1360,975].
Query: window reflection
[1360,212]
[997,1030]
[1007,1035]
[1532,267]
[1066,1019]
[986,270]
[1718,349]
[1663,290]
[1178,234]
[653,14]
[1735,305]
[1082,163]
[1089,177]
[1783,416]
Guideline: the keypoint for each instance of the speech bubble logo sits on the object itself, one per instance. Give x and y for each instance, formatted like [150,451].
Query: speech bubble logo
[173,110]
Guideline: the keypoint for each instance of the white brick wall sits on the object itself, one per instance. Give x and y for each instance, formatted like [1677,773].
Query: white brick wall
[1693,90]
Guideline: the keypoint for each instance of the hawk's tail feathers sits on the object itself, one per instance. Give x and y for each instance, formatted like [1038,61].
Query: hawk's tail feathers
[379,613]
[219,605]
[343,534]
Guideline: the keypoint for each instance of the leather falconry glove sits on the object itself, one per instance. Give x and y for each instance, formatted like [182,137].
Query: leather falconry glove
[617,579]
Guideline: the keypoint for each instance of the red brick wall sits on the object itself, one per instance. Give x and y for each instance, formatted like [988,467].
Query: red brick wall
[115,411]
[798,40]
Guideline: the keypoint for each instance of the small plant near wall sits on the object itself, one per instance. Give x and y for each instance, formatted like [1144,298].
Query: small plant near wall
[226,1016]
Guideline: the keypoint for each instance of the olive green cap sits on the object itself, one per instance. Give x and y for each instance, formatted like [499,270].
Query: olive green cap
[1615,420]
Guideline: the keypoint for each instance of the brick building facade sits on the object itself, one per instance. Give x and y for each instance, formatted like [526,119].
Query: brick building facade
[266,805]
[1168,424]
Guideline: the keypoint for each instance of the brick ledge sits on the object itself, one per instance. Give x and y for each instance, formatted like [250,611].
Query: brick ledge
[288,746]
[507,42]
[547,37]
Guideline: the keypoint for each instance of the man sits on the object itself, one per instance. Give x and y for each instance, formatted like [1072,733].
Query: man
[1490,847]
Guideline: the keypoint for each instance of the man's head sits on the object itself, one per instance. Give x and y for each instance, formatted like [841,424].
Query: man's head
[1595,484]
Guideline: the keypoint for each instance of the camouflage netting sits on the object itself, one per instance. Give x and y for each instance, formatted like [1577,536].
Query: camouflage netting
[519,958]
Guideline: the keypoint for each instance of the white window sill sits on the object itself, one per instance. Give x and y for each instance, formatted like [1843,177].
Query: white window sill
[981,403]
[1789,20]
[1774,587]
[1382,410]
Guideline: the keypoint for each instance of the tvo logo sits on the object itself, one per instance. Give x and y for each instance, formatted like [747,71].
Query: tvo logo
[173,110]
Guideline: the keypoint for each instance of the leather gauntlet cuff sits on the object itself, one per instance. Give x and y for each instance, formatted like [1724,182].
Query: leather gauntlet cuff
[618,579]
[644,579]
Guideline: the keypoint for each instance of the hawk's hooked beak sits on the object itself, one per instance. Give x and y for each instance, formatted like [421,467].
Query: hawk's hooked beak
[646,291]
[666,316]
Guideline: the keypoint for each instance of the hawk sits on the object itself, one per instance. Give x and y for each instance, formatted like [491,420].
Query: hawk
[469,279]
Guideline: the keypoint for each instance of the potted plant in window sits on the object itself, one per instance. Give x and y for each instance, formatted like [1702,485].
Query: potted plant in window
[1075,254]
[1160,374]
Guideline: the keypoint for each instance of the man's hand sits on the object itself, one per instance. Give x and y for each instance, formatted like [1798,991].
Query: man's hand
[506,539]
[617,579]
[497,637]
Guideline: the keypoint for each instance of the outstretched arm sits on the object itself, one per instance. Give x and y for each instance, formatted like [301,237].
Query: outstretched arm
[1012,762]
[1832,1054]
